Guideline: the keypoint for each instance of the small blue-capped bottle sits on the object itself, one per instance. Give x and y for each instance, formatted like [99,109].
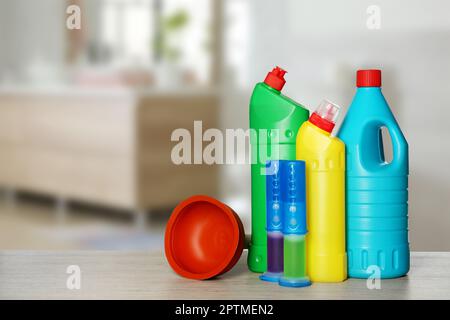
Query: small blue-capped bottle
[293,192]
[274,223]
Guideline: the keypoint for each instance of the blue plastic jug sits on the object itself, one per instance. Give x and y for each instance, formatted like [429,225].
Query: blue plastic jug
[377,191]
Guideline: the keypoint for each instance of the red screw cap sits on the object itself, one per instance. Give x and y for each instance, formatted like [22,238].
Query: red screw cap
[325,116]
[275,78]
[368,78]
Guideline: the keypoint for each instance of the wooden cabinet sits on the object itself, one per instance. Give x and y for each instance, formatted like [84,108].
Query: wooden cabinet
[109,149]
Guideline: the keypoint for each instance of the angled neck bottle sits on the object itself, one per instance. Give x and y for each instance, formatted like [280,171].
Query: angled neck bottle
[325,193]
[274,122]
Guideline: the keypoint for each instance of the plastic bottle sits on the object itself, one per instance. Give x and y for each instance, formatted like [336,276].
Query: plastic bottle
[274,224]
[377,191]
[293,193]
[325,187]
[275,119]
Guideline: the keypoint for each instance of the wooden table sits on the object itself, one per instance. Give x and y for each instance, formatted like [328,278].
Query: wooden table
[143,275]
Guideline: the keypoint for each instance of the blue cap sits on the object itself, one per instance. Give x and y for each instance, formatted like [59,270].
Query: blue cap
[274,217]
[293,193]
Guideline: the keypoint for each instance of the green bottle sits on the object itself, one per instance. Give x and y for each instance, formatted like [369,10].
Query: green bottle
[274,122]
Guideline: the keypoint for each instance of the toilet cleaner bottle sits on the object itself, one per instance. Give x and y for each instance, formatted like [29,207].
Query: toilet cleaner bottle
[294,224]
[274,225]
[274,123]
[325,191]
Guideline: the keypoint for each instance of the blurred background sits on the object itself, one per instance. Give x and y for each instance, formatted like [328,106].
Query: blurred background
[86,115]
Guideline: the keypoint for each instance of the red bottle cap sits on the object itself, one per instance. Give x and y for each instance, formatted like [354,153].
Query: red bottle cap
[368,78]
[204,238]
[275,78]
[325,115]
[323,124]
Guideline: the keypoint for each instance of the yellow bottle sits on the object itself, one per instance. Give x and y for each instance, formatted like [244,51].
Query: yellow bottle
[325,191]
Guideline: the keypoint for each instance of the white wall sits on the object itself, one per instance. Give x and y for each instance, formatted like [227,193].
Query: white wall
[322,43]
[32,34]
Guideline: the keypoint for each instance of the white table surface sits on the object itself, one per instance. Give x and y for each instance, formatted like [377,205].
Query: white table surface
[146,275]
